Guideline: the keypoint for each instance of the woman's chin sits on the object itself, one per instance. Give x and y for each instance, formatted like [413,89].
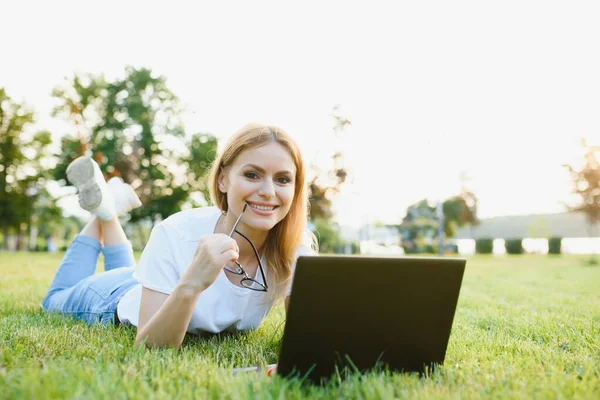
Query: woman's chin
[262,224]
[265,227]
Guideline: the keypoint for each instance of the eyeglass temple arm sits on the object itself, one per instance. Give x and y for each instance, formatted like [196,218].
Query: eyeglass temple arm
[238,220]
[257,256]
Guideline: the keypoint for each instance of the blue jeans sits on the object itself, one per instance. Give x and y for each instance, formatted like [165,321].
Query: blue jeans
[78,292]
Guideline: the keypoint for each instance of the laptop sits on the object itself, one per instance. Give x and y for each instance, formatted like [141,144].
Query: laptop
[359,312]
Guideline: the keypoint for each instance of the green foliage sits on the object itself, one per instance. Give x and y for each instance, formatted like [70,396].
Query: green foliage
[509,340]
[133,128]
[452,248]
[22,176]
[203,151]
[554,245]
[434,249]
[330,239]
[409,248]
[513,246]
[484,246]
[328,236]
[70,149]
[452,212]
[419,227]
[459,211]
[14,118]
[346,247]
[429,249]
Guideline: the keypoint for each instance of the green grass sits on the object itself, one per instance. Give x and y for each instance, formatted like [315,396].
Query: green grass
[526,326]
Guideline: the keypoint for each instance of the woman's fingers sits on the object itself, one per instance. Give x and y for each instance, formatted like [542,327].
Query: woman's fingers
[230,244]
[219,248]
[230,255]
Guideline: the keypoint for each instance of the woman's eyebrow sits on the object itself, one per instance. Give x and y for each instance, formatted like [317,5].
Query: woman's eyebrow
[262,170]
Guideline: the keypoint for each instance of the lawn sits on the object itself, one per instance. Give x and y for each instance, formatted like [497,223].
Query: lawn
[526,326]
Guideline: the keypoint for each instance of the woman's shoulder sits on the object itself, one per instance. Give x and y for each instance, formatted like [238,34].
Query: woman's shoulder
[192,222]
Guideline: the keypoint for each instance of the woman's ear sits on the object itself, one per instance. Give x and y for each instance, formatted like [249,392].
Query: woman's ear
[222,180]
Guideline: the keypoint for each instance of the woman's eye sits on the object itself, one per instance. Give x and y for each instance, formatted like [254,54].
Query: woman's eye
[283,180]
[251,175]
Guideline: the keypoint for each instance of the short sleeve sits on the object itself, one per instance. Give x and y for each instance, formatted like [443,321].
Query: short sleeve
[304,250]
[156,269]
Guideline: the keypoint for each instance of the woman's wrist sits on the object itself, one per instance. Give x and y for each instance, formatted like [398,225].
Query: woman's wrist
[187,291]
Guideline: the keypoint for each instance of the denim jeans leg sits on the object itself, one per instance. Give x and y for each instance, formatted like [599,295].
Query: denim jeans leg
[78,263]
[95,298]
[118,256]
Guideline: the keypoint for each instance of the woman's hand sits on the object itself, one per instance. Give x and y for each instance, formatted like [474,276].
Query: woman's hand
[212,254]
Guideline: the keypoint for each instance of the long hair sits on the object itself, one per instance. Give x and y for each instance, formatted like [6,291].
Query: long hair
[286,237]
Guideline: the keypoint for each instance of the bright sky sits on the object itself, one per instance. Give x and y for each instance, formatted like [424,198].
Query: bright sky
[502,91]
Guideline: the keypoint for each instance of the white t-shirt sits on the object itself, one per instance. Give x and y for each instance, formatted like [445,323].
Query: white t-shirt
[223,306]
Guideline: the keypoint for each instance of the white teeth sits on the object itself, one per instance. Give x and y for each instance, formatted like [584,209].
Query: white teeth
[262,208]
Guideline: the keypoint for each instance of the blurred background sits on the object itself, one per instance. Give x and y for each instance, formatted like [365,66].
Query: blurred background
[428,127]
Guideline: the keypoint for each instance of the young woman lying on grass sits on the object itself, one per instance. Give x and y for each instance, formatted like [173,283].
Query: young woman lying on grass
[210,269]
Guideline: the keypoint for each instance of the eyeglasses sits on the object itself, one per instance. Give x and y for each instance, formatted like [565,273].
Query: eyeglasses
[247,281]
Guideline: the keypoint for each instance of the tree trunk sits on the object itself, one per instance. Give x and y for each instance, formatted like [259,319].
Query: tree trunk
[19,239]
[33,234]
[5,238]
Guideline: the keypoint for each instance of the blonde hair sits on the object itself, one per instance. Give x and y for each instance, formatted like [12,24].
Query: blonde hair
[286,237]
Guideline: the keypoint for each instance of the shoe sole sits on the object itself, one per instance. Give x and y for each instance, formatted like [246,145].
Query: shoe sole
[81,174]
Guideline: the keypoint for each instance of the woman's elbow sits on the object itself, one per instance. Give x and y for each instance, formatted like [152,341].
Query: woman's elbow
[142,340]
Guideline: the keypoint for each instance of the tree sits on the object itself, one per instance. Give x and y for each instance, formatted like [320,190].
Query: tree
[328,236]
[21,174]
[459,211]
[203,151]
[419,227]
[325,184]
[133,129]
[80,102]
[47,214]
[586,184]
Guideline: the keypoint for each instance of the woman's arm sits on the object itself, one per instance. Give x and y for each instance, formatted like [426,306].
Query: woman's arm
[163,319]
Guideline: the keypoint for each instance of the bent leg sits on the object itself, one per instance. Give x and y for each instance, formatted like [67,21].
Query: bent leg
[118,256]
[79,261]
[113,232]
[95,298]
[117,252]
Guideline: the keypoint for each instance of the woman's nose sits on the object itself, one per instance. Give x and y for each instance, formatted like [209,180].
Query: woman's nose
[267,190]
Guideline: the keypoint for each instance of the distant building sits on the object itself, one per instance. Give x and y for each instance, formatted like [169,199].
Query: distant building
[380,239]
[578,236]
[566,225]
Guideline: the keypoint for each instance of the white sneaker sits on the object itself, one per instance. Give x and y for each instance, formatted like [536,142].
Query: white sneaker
[92,189]
[123,195]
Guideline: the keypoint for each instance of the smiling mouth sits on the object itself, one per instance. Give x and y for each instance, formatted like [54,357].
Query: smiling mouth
[262,208]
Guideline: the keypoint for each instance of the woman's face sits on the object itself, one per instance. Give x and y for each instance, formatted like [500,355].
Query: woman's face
[264,177]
